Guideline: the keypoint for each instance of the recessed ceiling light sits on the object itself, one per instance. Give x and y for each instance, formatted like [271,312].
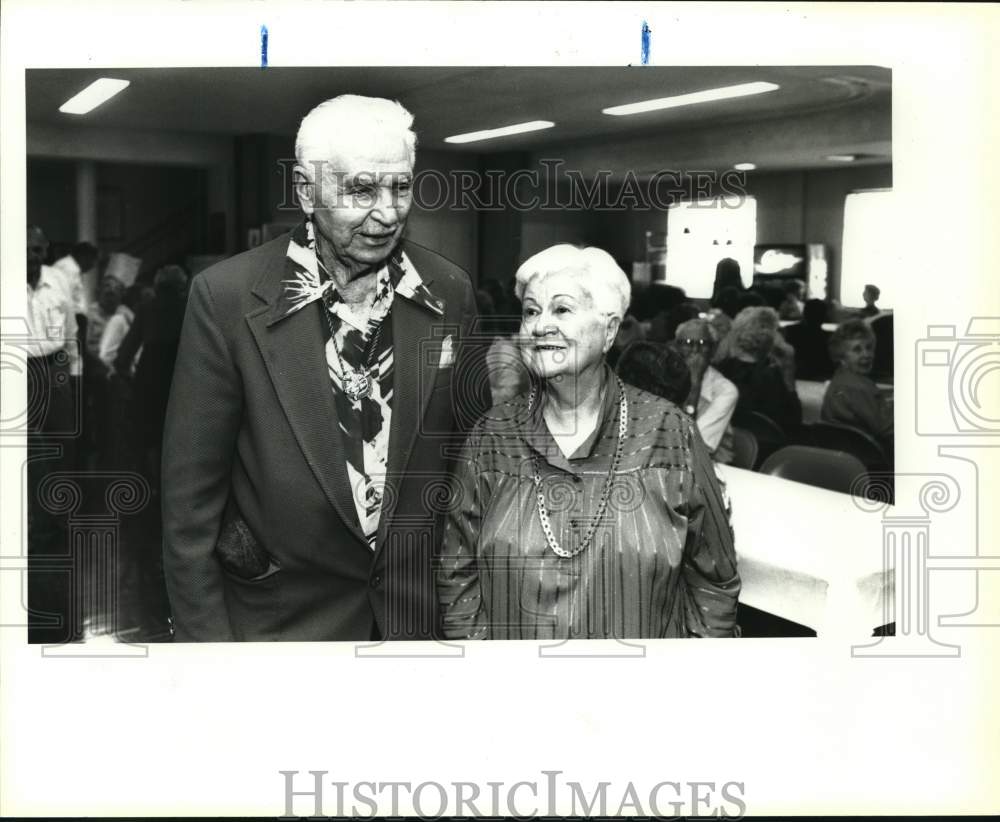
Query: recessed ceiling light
[505,131]
[842,158]
[100,91]
[744,166]
[707,96]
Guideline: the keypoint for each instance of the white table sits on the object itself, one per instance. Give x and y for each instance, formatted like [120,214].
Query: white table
[809,555]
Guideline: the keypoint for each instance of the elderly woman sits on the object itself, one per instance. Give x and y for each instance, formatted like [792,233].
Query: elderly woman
[759,369]
[851,397]
[585,507]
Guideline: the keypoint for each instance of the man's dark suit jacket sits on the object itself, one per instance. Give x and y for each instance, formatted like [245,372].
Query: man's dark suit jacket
[261,536]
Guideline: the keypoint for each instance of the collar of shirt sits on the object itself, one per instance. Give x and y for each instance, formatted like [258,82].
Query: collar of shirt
[538,437]
[49,278]
[307,281]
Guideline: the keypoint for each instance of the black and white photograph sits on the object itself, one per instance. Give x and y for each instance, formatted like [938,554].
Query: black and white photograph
[377,401]
[625,337]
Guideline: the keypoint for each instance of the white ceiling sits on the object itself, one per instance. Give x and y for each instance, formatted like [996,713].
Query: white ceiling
[448,100]
[818,110]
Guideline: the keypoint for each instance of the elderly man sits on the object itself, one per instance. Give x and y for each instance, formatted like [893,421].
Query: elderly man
[317,388]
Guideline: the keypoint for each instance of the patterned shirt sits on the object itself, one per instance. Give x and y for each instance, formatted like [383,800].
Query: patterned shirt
[363,340]
[662,562]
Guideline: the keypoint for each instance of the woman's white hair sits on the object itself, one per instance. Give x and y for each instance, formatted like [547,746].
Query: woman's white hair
[599,274]
[351,122]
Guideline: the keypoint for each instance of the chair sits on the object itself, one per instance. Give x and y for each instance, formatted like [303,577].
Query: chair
[769,435]
[833,470]
[838,437]
[745,449]
[882,327]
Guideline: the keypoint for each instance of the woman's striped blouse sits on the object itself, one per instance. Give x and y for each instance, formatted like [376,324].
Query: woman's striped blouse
[661,564]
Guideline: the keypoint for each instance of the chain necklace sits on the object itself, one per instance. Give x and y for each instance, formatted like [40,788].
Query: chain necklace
[357,384]
[543,513]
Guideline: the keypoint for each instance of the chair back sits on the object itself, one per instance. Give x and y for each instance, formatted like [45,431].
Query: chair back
[833,470]
[769,435]
[760,425]
[882,327]
[838,437]
[745,449]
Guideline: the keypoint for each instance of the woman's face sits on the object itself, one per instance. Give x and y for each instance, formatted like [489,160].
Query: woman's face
[694,341]
[562,331]
[858,355]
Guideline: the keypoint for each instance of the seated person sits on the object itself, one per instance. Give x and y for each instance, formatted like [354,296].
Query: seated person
[751,298]
[663,327]
[811,343]
[713,398]
[870,295]
[852,398]
[791,306]
[657,368]
[629,331]
[760,377]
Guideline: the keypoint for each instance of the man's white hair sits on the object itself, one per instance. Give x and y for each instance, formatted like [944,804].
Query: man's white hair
[351,122]
[599,275]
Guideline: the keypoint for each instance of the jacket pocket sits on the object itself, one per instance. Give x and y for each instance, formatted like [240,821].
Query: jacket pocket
[239,552]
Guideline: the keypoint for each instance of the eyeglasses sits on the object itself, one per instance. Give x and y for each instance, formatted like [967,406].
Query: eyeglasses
[687,342]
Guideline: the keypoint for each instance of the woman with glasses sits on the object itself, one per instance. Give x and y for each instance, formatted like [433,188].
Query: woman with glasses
[585,508]
[713,398]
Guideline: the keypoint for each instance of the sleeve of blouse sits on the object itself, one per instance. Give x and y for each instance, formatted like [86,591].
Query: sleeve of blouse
[714,418]
[873,411]
[711,581]
[457,574]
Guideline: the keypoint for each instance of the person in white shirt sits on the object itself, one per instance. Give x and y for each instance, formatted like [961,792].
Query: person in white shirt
[71,269]
[51,315]
[117,329]
[109,297]
[76,266]
[713,398]
[51,419]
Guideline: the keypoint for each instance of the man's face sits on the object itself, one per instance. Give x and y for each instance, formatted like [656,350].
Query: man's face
[38,247]
[110,296]
[360,204]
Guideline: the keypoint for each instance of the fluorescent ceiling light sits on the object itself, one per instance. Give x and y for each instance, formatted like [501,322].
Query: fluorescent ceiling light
[842,158]
[745,166]
[100,91]
[506,131]
[707,96]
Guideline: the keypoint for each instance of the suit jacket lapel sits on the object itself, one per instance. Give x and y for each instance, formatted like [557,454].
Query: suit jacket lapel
[292,350]
[414,368]
[416,323]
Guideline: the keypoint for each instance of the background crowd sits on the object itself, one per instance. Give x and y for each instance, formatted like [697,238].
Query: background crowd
[100,360]
[763,361]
